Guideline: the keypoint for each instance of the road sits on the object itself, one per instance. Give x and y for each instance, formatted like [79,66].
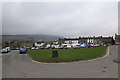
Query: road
[17,65]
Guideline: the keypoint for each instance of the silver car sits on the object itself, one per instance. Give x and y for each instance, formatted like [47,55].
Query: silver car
[4,50]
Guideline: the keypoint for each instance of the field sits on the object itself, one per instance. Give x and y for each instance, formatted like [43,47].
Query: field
[67,55]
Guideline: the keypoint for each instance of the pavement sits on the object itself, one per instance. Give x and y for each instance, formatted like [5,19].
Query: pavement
[15,65]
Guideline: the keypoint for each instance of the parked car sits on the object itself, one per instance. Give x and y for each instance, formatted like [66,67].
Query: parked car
[53,47]
[65,47]
[96,45]
[37,48]
[61,47]
[17,48]
[83,45]
[23,50]
[42,47]
[33,48]
[117,44]
[77,46]
[69,46]
[90,45]
[56,46]
[8,48]
[4,50]
[47,47]
[14,48]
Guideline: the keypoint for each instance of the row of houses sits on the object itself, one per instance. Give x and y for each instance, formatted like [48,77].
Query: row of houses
[87,40]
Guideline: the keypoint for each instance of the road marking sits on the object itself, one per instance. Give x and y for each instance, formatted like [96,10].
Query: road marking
[107,53]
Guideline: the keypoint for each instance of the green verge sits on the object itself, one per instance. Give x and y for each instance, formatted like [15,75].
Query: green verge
[67,55]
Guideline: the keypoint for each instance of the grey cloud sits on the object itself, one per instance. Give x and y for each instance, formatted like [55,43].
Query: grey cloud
[63,19]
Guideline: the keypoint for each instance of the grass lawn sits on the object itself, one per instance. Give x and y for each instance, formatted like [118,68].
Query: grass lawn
[67,55]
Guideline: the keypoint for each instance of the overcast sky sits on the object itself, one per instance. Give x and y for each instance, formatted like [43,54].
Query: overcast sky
[66,19]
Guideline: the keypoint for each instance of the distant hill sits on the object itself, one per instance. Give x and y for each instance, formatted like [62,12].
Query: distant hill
[34,37]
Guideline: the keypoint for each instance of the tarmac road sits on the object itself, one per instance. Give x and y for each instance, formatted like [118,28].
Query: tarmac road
[17,65]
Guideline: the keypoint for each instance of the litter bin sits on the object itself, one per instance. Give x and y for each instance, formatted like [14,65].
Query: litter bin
[55,53]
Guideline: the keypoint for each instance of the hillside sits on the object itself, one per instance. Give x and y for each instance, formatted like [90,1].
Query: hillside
[34,37]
